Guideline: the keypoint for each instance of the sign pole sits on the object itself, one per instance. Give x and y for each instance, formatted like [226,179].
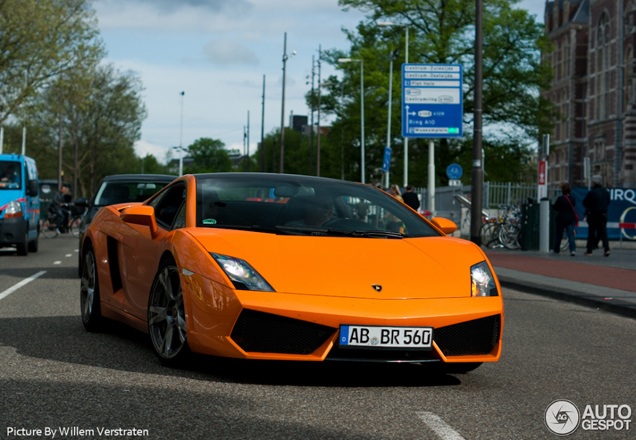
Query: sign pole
[430,205]
[432,107]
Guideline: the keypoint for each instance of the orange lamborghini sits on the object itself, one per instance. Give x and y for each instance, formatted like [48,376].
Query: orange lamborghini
[284,267]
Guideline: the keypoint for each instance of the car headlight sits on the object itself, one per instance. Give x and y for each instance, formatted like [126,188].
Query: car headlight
[482,281]
[14,209]
[242,275]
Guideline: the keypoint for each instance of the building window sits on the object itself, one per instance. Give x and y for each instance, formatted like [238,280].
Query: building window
[602,67]
[629,78]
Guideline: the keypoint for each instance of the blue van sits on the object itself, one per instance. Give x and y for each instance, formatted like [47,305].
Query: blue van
[19,203]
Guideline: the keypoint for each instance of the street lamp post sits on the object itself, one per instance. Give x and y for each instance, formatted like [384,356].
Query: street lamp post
[181,150]
[181,138]
[362,150]
[394,55]
[406,60]
[282,110]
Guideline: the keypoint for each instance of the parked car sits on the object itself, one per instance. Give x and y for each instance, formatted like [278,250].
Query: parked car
[284,267]
[120,188]
[19,203]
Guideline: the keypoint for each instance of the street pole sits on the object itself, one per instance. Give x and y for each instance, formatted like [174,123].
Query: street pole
[282,111]
[362,153]
[431,176]
[319,96]
[181,138]
[59,156]
[388,128]
[311,134]
[362,147]
[406,139]
[263,153]
[477,173]
[247,164]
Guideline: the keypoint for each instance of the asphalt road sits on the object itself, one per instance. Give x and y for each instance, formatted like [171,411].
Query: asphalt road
[54,375]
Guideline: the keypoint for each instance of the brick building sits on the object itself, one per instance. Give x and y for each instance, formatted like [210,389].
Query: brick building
[594,88]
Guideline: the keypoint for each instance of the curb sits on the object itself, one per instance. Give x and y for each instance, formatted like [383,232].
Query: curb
[614,306]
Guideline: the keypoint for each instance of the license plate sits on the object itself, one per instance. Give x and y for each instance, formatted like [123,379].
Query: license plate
[368,336]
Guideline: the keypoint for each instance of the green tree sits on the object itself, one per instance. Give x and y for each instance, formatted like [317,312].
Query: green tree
[150,165]
[443,32]
[99,120]
[210,156]
[39,40]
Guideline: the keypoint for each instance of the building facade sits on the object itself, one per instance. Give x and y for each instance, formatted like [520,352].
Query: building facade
[594,88]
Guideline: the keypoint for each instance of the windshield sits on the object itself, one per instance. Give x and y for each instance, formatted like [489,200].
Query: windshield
[112,192]
[10,177]
[302,205]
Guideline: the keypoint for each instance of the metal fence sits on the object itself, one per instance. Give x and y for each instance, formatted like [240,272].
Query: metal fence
[495,194]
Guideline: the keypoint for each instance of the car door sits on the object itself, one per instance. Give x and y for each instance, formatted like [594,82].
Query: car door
[140,253]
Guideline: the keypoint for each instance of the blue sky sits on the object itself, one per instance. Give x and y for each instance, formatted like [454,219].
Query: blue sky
[217,51]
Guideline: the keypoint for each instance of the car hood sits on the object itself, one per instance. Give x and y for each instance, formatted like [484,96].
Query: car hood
[432,267]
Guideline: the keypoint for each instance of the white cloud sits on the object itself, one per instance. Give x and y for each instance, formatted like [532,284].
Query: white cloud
[229,52]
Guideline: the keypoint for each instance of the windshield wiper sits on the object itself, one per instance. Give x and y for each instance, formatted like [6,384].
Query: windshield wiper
[312,230]
[254,228]
[378,234]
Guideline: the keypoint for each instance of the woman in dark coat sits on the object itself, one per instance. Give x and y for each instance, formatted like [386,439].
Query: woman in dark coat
[566,218]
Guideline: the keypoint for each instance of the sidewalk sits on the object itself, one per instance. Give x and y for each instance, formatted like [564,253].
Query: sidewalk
[607,283]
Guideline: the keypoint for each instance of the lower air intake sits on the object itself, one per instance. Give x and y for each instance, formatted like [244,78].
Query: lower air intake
[266,333]
[476,337]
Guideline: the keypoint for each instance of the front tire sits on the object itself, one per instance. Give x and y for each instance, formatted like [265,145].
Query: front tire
[34,245]
[23,245]
[48,229]
[75,226]
[89,294]
[166,316]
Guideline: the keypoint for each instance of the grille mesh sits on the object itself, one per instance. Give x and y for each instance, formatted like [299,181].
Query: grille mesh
[266,333]
[469,338]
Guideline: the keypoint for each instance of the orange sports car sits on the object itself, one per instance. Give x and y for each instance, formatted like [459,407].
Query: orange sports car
[285,267]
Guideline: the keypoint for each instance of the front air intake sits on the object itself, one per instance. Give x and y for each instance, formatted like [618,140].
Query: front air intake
[266,333]
[476,337]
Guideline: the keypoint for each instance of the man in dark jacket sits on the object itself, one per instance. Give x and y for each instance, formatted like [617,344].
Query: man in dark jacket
[596,203]
[410,198]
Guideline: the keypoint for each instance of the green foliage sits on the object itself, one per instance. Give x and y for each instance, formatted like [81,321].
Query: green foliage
[99,119]
[209,156]
[440,32]
[150,165]
[39,40]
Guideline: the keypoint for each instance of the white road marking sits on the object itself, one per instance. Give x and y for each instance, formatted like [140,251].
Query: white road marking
[22,283]
[68,255]
[441,428]
[57,262]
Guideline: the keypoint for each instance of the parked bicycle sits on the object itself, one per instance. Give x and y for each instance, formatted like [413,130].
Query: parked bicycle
[50,229]
[503,230]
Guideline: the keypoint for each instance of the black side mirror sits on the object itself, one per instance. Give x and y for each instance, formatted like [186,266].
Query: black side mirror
[32,188]
[82,202]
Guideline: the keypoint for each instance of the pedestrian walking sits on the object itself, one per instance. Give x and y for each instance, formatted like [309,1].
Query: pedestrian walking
[395,192]
[410,198]
[596,203]
[566,219]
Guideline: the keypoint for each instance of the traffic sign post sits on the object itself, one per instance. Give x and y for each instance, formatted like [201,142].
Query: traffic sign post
[432,107]
[454,171]
[386,161]
[432,100]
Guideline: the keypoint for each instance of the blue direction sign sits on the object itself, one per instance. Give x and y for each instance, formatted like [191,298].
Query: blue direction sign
[432,100]
[386,162]
[454,171]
